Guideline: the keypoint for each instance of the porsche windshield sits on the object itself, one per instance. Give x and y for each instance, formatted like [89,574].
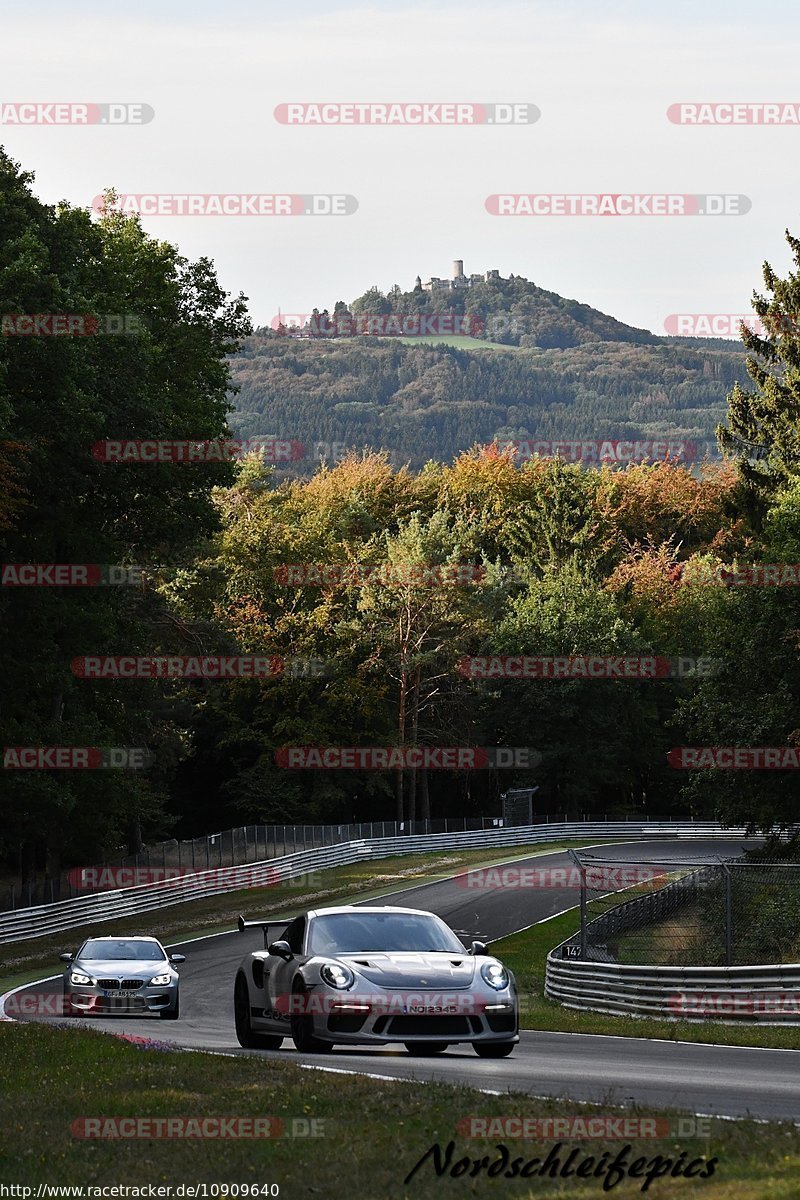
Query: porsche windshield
[354,933]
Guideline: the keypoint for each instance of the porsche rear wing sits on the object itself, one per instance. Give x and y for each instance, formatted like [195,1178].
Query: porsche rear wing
[272,930]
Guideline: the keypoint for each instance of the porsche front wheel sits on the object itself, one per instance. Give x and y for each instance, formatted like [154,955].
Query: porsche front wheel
[302,1026]
[245,1034]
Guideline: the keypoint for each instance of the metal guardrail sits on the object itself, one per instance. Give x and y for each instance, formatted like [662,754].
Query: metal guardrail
[39,921]
[225,848]
[767,994]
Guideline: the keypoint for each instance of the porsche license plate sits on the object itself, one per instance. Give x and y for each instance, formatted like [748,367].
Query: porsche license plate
[432,1009]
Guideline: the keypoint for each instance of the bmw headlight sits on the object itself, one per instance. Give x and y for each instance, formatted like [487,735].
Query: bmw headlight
[495,975]
[160,980]
[79,977]
[337,976]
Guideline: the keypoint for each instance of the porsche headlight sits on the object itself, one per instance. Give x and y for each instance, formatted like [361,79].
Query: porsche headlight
[79,977]
[495,975]
[337,976]
[160,980]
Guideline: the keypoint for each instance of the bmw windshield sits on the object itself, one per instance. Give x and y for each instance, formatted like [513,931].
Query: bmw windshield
[119,950]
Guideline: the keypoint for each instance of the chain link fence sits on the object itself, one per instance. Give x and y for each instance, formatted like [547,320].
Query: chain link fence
[230,848]
[721,912]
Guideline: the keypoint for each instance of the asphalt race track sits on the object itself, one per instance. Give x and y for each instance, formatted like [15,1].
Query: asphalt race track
[710,1080]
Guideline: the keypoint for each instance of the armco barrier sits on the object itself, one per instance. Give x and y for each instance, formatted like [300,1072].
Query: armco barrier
[768,994]
[44,919]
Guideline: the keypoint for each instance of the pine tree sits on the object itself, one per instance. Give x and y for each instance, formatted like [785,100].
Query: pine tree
[763,429]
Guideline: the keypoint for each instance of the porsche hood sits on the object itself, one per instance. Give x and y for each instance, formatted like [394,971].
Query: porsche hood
[415,970]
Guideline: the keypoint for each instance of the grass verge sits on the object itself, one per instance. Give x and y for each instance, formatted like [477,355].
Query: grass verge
[372,1132]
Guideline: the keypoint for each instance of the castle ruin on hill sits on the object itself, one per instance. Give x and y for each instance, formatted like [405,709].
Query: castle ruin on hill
[459,280]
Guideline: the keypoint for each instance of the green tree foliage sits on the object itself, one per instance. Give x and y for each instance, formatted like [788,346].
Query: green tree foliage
[574,563]
[763,425]
[422,401]
[167,378]
[565,561]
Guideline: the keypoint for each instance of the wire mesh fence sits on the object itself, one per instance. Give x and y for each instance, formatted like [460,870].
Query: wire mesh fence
[725,912]
[229,848]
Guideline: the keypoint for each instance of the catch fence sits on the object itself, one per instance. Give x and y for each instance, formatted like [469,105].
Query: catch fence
[722,912]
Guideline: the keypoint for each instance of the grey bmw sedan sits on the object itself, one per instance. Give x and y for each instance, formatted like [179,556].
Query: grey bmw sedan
[122,976]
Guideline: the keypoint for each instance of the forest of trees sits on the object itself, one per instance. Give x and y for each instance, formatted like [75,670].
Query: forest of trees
[551,369]
[421,402]
[574,562]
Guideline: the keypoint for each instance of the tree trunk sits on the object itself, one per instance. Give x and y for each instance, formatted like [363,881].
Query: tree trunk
[424,798]
[52,867]
[412,778]
[134,839]
[27,868]
[401,728]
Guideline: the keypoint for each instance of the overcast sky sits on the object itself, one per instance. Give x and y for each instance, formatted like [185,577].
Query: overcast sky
[602,76]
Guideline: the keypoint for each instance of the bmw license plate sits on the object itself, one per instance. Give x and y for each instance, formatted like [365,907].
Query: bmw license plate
[111,995]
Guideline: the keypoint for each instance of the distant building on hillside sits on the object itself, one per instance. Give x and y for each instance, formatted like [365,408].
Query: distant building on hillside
[459,280]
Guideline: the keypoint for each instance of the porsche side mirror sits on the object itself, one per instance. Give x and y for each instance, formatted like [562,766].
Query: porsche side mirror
[65,958]
[281,950]
[478,948]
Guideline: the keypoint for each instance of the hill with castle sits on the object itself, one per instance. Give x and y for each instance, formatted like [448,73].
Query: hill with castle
[537,365]
[508,311]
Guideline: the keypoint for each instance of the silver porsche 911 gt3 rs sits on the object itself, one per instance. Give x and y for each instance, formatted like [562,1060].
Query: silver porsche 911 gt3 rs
[373,976]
